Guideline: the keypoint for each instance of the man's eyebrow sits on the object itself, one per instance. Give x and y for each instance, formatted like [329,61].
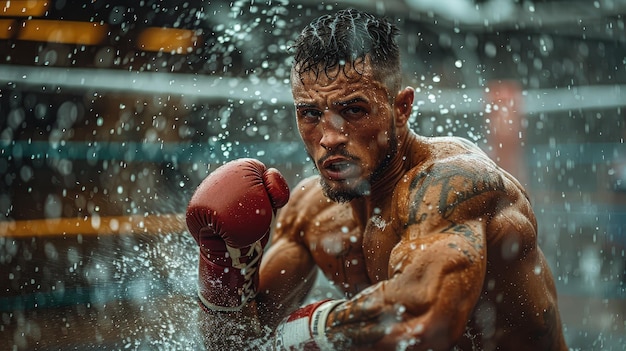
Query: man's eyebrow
[305,105]
[336,103]
[349,102]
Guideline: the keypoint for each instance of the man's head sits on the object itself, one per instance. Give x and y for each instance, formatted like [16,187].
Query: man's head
[343,40]
[346,86]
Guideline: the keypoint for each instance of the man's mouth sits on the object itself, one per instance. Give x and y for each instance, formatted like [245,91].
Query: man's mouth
[339,168]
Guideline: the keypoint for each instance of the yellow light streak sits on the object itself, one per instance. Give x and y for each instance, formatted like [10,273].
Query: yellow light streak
[66,32]
[95,225]
[172,40]
[23,8]
[7,27]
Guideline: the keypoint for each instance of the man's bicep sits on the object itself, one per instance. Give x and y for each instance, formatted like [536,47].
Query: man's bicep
[435,282]
[287,275]
[287,264]
[442,273]
[463,243]
[438,256]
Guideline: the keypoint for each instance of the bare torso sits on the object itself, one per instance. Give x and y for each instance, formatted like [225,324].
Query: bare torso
[516,308]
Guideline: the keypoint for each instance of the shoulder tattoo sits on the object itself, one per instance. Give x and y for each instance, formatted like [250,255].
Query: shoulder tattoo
[456,185]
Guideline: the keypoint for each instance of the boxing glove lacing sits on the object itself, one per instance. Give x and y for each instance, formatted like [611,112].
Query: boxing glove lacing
[247,269]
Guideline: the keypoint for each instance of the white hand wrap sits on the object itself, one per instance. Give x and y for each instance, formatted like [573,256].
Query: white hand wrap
[304,329]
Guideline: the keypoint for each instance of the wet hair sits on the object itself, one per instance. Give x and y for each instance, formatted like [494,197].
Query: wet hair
[343,40]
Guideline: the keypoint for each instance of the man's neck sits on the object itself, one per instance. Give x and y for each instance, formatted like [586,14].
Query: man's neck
[382,189]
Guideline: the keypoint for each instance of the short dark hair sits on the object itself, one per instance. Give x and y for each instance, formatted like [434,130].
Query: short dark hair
[346,38]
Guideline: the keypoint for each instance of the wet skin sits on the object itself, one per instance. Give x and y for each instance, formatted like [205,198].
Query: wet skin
[439,250]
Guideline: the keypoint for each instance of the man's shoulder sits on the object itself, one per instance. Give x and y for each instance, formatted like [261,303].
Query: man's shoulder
[449,155]
[307,205]
[455,167]
[308,196]
[307,187]
[446,146]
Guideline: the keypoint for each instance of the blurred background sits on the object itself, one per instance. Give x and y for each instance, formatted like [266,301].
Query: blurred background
[112,112]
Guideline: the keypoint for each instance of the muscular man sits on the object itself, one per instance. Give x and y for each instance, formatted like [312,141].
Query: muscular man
[432,244]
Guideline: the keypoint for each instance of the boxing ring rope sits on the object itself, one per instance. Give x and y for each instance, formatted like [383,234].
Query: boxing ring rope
[275,91]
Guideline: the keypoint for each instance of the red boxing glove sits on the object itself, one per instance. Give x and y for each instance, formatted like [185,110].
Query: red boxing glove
[230,215]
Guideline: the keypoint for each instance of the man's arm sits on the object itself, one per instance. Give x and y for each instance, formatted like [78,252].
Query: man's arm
[287,275]
[435,282]
[437,269]
[288,270]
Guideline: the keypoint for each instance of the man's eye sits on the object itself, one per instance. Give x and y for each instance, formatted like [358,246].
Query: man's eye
[310,114]
[354,112]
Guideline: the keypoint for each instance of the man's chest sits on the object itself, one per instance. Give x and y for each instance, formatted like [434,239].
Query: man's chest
[351,255]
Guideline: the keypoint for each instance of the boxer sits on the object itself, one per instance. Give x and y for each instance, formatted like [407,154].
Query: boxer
[433,246]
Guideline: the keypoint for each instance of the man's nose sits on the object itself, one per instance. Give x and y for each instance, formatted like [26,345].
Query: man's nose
[333,131]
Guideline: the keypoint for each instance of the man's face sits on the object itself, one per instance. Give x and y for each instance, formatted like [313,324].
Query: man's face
[346,123]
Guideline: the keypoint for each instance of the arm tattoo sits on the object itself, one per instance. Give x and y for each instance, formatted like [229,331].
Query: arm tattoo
[457,186]
[468,234]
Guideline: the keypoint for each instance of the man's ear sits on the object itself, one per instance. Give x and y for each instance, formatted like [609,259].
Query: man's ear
[404,105]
